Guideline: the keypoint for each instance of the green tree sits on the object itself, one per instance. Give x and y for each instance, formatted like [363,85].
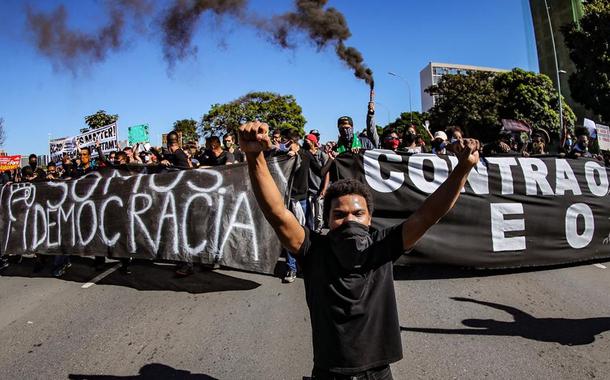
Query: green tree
[469,101]
[100,119]
[279,111]
[589,44]
[478,101]
[188,128]
[530,97]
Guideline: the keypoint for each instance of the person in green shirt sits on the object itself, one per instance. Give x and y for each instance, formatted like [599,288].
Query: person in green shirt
[350,141]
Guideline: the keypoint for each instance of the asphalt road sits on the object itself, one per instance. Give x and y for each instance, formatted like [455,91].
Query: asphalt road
[457,324]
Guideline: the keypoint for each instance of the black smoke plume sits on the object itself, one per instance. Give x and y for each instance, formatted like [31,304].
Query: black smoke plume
[73,48]
[180,20]
[324,26]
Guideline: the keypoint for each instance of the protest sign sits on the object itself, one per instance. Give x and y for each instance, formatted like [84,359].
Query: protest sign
[10,162]
[138,134]
[603,137]
[591,127]
[107,136]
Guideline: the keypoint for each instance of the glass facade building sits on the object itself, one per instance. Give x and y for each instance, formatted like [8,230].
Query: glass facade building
[561,12]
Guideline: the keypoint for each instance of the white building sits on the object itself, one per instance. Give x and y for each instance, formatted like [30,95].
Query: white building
[433,73]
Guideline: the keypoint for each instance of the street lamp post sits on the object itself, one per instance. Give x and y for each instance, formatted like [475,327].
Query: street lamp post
[386,108]
[409,88]
[557,71]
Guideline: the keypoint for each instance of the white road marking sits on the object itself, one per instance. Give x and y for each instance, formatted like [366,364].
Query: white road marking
[100,276]
[600,266]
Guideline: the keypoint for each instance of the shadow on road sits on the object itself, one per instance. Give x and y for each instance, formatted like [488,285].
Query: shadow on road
[154,371]
[145,275]
[569,332]
[441,272]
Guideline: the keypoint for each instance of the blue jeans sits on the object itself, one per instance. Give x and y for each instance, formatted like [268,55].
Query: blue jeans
[60,260]
[291,262]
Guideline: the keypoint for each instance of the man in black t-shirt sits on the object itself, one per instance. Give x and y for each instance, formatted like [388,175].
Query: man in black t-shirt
[215,155]
[348,272]
[175,156]
[32,172]
[231,147]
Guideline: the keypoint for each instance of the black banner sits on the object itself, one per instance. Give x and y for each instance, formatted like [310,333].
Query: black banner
[513,212]
[197,215]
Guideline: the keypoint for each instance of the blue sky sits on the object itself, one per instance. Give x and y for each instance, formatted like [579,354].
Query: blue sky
[38,99]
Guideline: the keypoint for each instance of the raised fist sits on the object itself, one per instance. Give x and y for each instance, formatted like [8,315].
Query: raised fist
[254,137]
[466,150]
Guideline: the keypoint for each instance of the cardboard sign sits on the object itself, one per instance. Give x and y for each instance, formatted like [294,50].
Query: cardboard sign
[603,137]
[107,136]
[138,134]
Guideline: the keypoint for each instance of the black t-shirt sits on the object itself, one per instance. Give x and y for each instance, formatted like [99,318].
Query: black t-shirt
[208,158]
[178,159]
[300,183]
[354,319]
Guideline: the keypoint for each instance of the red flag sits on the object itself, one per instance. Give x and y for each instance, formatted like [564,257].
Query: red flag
[515,126]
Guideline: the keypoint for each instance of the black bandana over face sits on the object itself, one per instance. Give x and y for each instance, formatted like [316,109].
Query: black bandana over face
[346,136]
[349,243]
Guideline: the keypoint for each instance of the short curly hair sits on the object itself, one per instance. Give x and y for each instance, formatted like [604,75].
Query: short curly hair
[346,187]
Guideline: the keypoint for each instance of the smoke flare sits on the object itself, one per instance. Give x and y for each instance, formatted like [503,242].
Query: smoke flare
[180,20]
[324,27]
[69,47]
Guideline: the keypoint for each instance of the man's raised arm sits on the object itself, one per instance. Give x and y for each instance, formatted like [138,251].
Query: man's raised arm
[443,199]
[253,140]
[371,125]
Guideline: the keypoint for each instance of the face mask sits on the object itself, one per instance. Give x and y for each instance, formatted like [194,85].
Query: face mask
[438,145]
[569,142]
[391,144]
[284,147]
[410,137]
[349,243]
[347,134]
[454,140]
[583,146]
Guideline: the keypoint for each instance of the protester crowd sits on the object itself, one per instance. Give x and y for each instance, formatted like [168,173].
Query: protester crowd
[310,177]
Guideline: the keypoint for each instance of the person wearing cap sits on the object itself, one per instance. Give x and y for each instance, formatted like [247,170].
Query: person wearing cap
[439,144]
[349,141]
[316,133]
[316,202]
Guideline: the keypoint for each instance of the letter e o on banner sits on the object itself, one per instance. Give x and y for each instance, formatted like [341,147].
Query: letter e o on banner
[601,189]
[575,239]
